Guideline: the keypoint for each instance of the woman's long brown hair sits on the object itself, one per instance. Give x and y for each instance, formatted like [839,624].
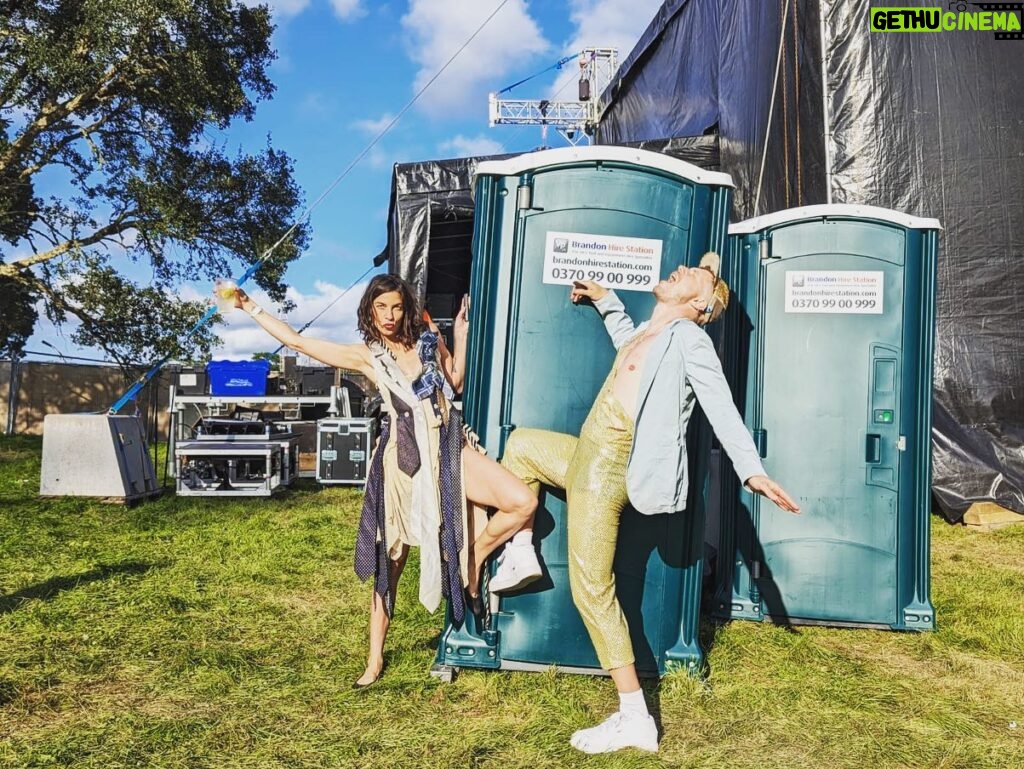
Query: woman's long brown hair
[408,329]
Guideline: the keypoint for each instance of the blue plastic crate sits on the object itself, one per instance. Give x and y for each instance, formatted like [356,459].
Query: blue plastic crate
[238,377]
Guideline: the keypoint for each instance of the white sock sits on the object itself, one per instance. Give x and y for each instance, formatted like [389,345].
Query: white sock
[524,537]
[633,703]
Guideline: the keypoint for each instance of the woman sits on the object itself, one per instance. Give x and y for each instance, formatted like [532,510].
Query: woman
[423,469]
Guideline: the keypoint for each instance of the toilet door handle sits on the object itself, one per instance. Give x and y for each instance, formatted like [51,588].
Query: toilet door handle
[873,449]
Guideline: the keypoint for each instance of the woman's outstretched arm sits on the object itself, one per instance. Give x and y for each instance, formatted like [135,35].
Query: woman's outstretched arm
[355,357]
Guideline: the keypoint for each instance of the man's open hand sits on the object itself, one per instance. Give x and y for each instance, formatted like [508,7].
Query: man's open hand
[766,487]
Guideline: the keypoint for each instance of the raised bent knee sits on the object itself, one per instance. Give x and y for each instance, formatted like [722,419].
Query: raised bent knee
[525,506]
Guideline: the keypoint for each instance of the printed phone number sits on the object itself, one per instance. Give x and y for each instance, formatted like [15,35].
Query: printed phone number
[827,304]
[600,276]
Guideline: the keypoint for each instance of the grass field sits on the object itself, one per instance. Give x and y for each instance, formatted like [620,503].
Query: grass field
[190,632]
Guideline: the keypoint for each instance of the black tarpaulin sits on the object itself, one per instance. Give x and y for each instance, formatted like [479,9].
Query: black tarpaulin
[669,85]
[931,124]
[708,66]
[430,229]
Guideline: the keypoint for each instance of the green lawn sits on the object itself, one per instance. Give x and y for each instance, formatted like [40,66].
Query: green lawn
[225,633]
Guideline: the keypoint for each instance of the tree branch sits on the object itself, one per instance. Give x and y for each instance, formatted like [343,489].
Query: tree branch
[50,113]
[73,136]
[45,290]
[21,266]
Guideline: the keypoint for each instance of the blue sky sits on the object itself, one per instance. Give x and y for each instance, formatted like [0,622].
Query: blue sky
[345,69]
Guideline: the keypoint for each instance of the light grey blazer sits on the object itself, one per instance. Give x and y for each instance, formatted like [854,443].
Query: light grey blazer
[681,365]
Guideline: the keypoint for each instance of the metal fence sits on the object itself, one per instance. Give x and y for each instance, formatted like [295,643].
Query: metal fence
[32,389]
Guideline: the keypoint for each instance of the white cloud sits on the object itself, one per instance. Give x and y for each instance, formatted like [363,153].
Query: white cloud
[374,127]
[348,10]
[470,146]
[241,336]
[610,23]
[438,28]
[316,104]
[281,8]
[378,157]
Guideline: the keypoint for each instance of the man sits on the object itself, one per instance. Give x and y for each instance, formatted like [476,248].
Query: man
[632,449]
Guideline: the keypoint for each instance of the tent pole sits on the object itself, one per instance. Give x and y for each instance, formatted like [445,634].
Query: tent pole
[771,110]
[825,102]
[12,395]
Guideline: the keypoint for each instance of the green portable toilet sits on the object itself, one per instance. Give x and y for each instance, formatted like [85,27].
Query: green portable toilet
[830,340]
[625,218]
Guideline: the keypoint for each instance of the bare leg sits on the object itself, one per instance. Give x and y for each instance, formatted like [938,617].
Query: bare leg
[380,621]
[625,679]
[490,485]
[536,457]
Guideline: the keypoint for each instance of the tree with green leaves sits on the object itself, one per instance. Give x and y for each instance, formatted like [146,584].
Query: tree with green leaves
[273,357]
[113,164]
[17,317]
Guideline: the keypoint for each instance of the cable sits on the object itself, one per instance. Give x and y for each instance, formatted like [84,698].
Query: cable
[785,106]
[796,105]
[388,127]
[68,357]
[557,65]
[329,306]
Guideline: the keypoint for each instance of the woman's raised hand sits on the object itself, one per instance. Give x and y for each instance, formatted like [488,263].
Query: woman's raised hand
[461,323]
[241,299]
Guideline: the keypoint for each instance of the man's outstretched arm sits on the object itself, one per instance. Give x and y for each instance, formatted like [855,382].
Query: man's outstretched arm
[617,323]
[704,372]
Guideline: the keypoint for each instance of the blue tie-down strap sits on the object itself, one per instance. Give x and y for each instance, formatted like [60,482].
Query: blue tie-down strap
[250,271]
[207,317]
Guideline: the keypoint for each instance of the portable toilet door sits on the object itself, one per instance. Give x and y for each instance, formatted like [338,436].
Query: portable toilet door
[839,301]
[624,218]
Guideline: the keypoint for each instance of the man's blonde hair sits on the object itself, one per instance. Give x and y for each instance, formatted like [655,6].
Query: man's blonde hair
[720,296]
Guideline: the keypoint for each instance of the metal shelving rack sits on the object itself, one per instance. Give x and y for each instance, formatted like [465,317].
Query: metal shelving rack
[212,406]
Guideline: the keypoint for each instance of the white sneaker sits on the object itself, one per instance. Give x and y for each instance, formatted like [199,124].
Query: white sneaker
[620,730]
[517,567]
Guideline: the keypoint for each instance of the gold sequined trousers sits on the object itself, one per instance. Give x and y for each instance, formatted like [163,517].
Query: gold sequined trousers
[592,470]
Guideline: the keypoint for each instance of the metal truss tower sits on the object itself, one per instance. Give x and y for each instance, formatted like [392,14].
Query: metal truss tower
[574,120]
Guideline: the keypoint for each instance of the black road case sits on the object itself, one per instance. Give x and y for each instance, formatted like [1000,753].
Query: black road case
[343,449]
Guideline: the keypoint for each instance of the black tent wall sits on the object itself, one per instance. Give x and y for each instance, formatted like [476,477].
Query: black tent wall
[929,124]
[430,227]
